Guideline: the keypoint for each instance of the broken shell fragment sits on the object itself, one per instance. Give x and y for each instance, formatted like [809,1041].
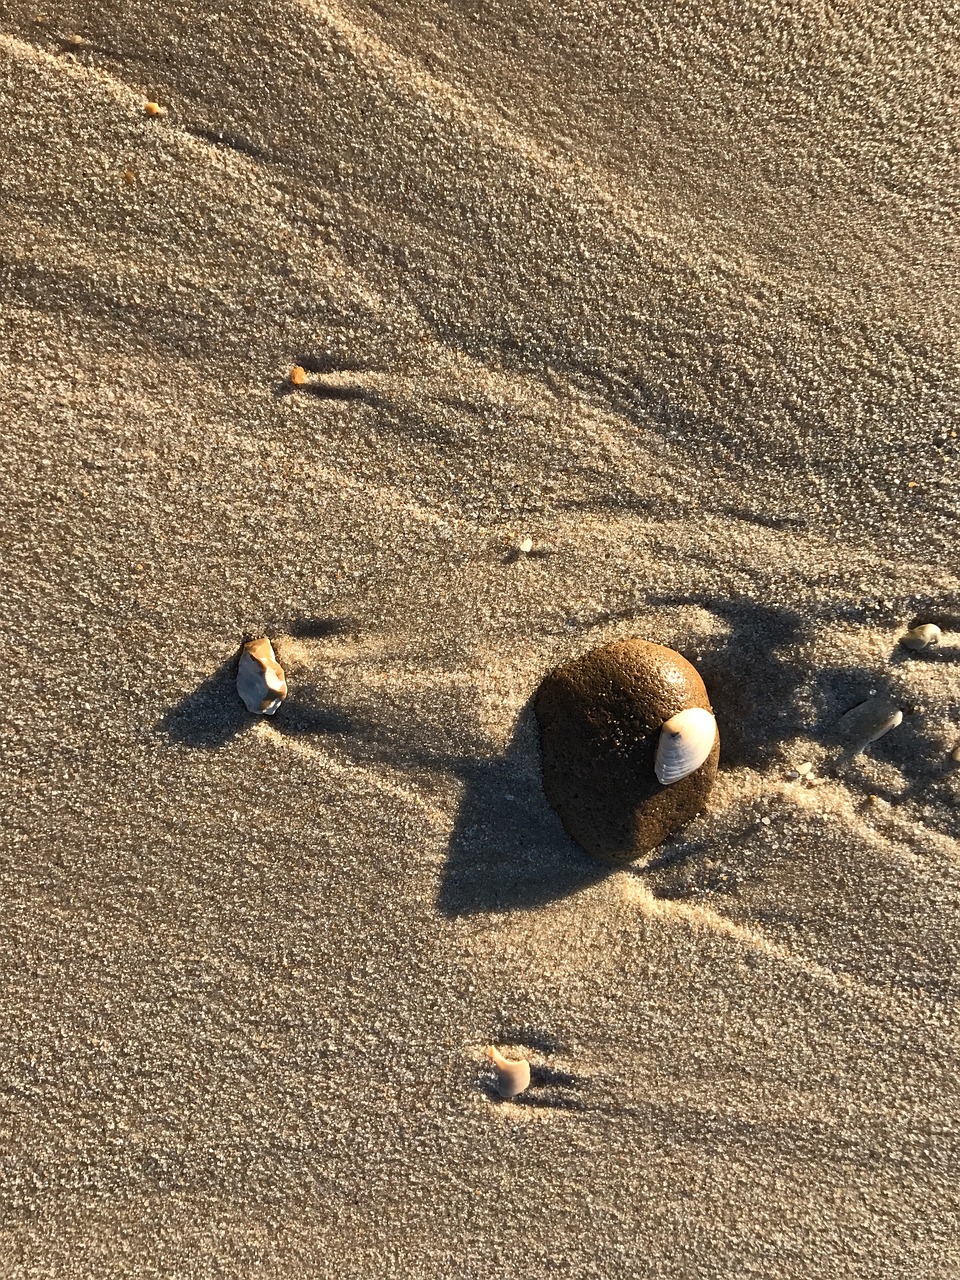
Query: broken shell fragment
[260,680]
[922,637]
[686,740]
[513,1075]
[867,722]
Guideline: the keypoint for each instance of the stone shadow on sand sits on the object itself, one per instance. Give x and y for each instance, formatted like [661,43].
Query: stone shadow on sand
[507,850]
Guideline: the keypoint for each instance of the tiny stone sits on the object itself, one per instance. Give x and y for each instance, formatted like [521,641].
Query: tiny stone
[805,769]
[526,546]
[765,821]
[922,637]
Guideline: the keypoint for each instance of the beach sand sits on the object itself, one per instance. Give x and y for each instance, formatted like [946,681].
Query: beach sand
[672,291]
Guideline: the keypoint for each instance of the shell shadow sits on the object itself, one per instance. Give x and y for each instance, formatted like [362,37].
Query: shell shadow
[507,850]
[549,1087]
[212,714]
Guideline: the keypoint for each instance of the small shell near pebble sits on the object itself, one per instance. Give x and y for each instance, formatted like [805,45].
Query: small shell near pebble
[867,722]
[260,680]
[686,740]
[513,1075]
[922,637]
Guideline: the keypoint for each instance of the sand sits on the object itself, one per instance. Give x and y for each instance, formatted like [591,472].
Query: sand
[672,292]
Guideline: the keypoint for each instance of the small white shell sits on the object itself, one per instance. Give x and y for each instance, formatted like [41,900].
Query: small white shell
[867,722]
[260,679]
[922,637]
[686,740]
[513,1075]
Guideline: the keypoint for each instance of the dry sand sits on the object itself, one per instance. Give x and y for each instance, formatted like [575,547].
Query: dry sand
[671,290]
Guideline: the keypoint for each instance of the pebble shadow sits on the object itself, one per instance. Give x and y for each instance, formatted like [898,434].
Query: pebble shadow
[508,850]
[210,715]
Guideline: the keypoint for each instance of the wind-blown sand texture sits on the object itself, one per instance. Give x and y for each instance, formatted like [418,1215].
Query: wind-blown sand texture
[671,290]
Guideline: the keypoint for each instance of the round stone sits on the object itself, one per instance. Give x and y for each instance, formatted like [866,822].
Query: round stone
[600,719]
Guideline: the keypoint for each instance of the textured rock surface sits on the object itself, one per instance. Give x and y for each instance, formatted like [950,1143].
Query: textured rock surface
[600,718]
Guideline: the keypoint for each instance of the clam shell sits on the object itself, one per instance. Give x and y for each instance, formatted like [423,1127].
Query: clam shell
[923,637]
[686,740]
[868,721]
[260,680]
[513,1075]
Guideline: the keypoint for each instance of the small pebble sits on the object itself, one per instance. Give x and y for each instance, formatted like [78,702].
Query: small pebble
[922,637]
[955,753]
[765,822]
[513,1075]
[261,683]
[525,546]
[153,109]
[298,375]
[805,769]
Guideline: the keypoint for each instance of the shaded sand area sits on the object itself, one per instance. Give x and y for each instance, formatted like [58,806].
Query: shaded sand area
[676,298]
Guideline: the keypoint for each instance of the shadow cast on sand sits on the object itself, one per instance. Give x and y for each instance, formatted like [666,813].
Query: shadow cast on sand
[212,715]
[507,850]
[753,685]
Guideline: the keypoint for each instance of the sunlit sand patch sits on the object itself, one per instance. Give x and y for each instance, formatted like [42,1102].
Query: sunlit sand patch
[703,919]
[338,648]
[363,775]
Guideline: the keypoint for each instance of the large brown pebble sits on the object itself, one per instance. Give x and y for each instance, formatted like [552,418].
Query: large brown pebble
[600,719]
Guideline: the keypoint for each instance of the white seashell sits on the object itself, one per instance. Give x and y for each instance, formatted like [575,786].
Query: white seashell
[686,740]
[922,637]
[260,679]
[525,546]
[513,1075]
[868,721]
